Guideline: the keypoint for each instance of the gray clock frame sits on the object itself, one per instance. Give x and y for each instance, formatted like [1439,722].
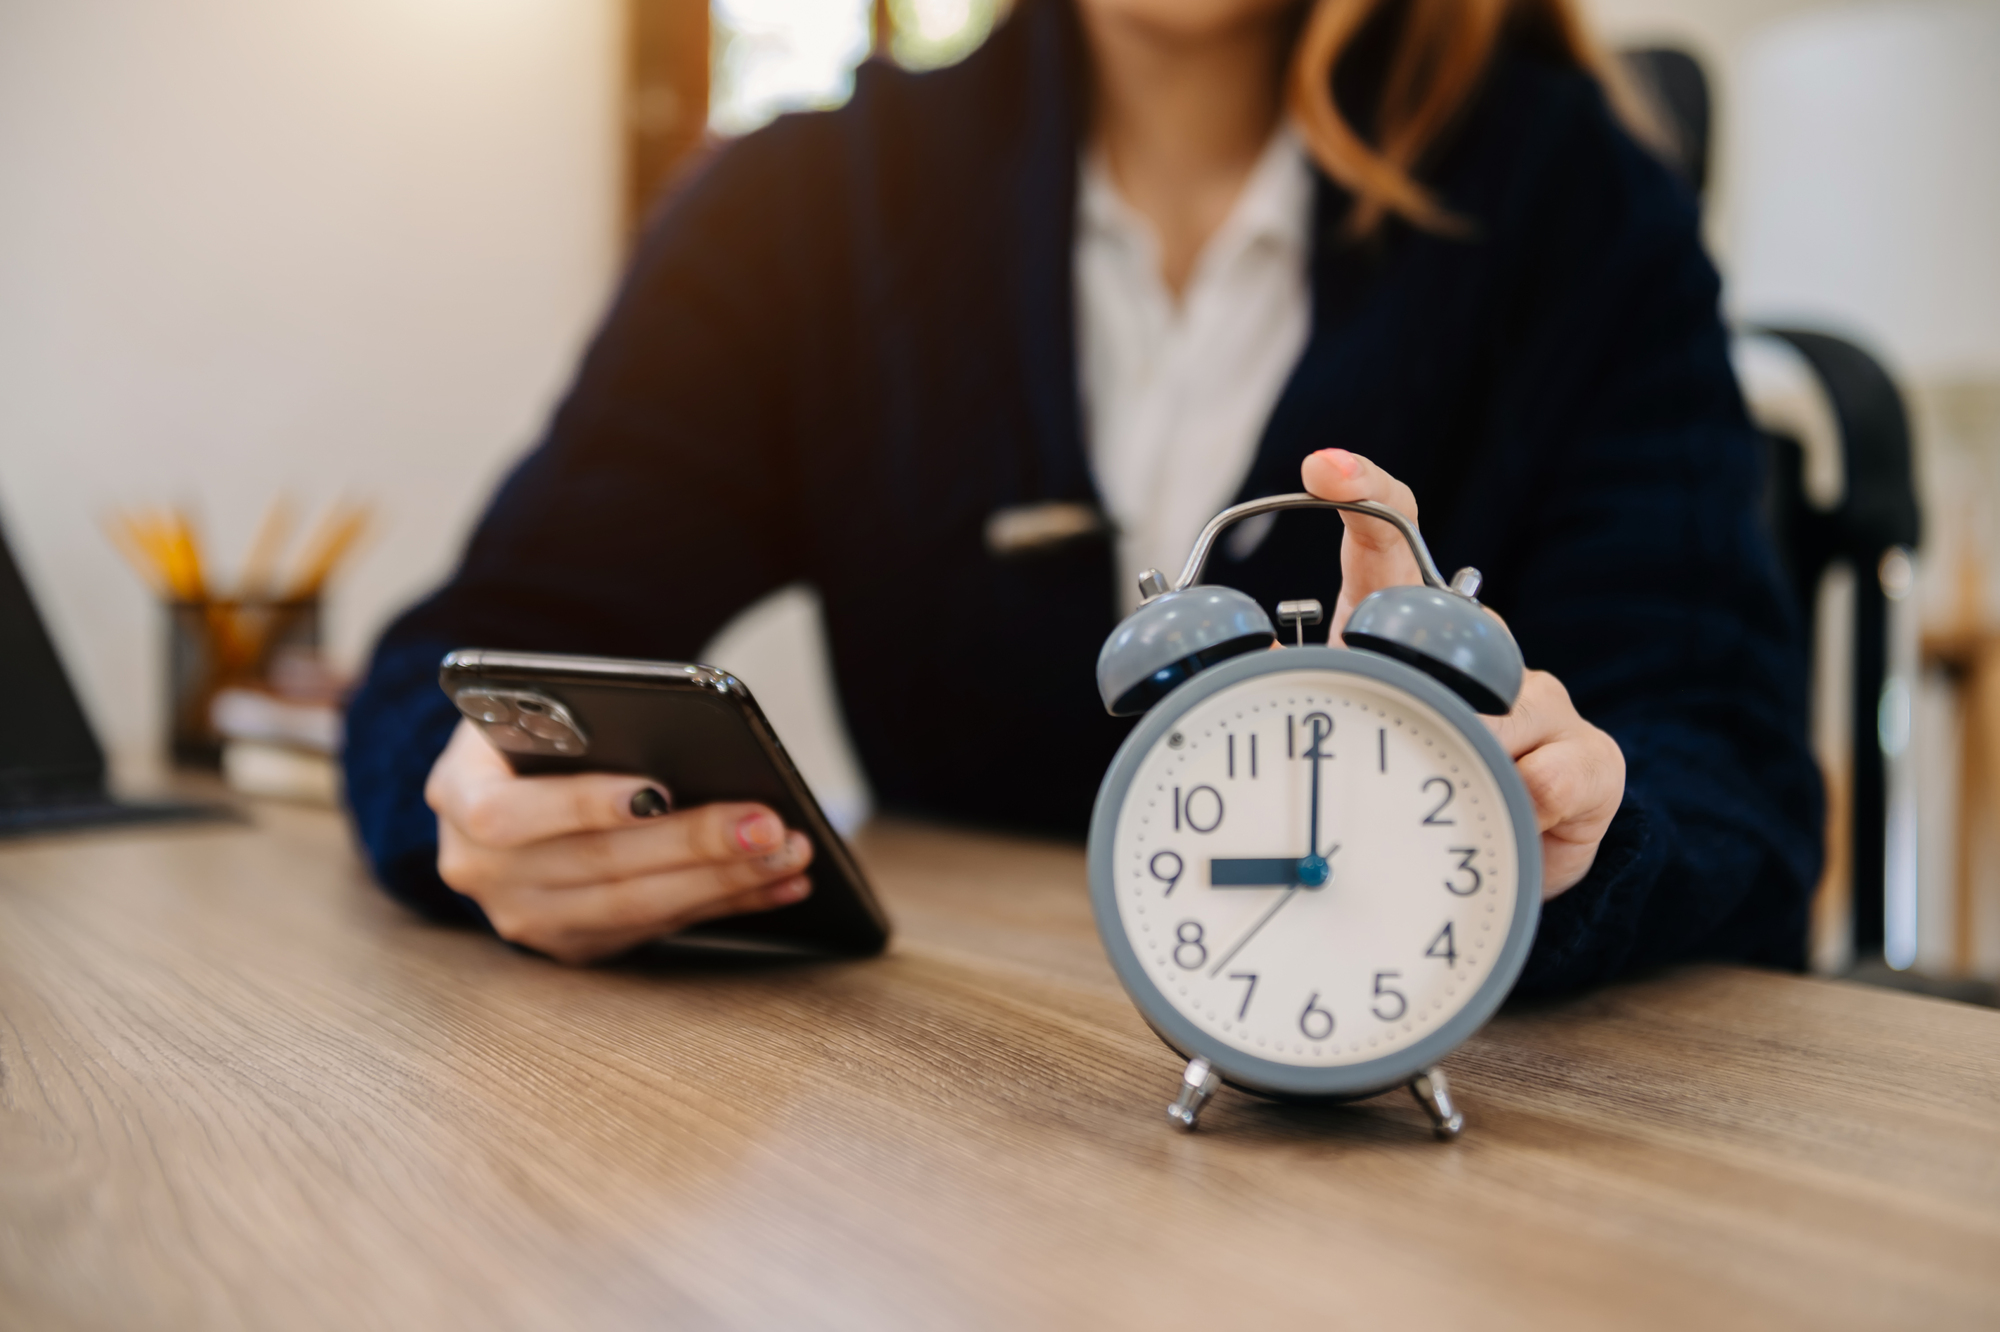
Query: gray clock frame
[1347,1081]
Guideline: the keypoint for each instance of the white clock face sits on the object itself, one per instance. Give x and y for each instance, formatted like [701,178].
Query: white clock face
[1315,931]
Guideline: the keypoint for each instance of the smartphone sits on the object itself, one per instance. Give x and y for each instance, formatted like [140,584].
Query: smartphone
[697,732]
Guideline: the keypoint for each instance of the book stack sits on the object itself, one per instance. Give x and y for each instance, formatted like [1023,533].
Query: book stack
[281,739]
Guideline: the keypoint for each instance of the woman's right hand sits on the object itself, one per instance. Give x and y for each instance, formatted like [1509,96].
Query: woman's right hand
[576,868]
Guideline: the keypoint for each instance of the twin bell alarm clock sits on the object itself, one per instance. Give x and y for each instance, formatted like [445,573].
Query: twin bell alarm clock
[1315,870]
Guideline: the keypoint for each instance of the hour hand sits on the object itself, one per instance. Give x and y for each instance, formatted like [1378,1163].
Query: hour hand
[1271,872]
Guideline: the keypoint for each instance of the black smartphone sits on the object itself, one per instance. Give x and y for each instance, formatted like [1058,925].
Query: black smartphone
[695,730]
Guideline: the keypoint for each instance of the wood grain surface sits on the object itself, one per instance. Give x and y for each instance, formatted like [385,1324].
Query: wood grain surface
[238,1089]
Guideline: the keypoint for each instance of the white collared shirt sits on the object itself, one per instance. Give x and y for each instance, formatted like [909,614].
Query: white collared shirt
[1176,395]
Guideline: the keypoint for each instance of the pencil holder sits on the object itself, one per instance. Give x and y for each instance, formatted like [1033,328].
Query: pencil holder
[215,643]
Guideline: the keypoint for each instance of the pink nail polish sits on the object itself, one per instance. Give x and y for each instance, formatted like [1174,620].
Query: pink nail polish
[759,832]
[791,890]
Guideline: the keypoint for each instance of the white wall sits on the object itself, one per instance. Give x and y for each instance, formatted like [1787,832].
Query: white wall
[1870,183]
[325,246]
[1716,32]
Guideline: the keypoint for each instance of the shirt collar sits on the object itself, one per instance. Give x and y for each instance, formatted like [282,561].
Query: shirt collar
[1276,203]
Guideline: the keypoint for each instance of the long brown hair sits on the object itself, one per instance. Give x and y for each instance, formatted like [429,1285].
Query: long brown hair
[1437,51]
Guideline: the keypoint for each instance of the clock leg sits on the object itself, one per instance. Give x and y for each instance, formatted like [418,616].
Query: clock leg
[1197,1085]
[1433,1093]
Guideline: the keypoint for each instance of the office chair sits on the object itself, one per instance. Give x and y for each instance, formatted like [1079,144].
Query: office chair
[1841,489]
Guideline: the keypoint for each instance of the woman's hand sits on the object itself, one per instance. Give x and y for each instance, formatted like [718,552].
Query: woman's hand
[587,866]
[1574,772]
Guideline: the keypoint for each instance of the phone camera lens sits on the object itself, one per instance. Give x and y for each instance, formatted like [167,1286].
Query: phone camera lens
[512,739]
[546,727]
[490,709]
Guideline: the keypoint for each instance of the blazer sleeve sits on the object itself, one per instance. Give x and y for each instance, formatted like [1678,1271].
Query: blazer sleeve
[1642,576]
[658,504]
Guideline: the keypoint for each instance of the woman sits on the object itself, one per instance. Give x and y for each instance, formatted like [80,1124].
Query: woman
[1158,255]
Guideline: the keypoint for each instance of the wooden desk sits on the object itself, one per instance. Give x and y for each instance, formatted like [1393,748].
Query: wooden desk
[237,1089]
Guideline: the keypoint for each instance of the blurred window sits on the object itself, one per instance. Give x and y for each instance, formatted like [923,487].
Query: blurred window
[773,56]
[930,33]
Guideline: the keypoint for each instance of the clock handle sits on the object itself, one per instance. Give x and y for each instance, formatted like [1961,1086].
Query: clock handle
[1197,559]
[1184,628]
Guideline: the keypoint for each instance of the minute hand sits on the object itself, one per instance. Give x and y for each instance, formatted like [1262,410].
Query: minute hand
[1312,819]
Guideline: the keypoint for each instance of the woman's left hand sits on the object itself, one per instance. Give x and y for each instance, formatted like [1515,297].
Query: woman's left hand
[1574,772]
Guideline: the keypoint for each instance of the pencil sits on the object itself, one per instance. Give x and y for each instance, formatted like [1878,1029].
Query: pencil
[187,552]
[260,566]
[127,541]
[337,533]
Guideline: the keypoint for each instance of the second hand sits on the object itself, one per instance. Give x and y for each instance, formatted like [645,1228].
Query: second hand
[1262,921]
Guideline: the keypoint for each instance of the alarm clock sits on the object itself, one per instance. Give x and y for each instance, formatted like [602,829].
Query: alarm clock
[1315,870]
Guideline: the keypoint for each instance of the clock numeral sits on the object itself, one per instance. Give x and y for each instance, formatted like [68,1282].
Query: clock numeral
[1188,941]
[1319,729]
[1389,992]
[1185,809]
[1315,1022]
[1444,938]
[1172,872]
[1432,817]
[1232,755]
[1465,855]
[1248,990]
[1382,749]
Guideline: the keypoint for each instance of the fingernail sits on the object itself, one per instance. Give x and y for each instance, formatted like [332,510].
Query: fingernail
[791,890]
[649,802]
[759,832]
[1346,462]
[787,855]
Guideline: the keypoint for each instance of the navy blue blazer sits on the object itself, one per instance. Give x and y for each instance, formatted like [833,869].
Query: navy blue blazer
[851,339]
